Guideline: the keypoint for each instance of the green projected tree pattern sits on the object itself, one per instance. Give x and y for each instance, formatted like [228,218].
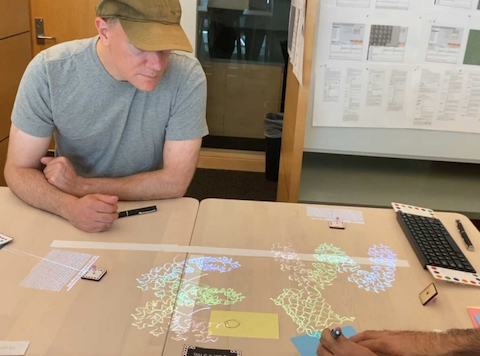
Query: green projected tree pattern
[170,291]
[305,304]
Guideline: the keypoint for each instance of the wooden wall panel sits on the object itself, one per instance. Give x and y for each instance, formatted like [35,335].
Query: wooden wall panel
[65,20]
[14,17]
[3,158]
[12,65]
[296,106]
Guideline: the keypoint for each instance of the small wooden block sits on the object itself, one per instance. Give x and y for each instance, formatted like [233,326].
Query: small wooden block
[428,294]
[337,224]
[94,274]
[4,239]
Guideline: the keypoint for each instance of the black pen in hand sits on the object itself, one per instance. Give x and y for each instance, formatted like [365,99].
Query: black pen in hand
[464,236]
[141,211]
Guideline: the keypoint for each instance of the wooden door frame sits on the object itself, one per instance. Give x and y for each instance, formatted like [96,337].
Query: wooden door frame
[296,108]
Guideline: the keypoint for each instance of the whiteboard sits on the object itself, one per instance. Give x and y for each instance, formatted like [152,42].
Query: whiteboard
[388,142]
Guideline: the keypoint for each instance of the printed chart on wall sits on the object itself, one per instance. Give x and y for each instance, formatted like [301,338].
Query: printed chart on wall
[398,64]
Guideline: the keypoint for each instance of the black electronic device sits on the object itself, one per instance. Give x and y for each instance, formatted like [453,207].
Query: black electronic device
[432,243]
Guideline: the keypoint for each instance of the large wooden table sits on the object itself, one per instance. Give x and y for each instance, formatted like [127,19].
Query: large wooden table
[96,318]
[257,226]
[93,318]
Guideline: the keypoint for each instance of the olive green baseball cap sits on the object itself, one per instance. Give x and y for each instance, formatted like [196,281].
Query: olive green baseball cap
[151,25]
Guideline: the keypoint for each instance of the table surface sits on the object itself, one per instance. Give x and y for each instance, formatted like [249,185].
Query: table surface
[96,318]
[257,226]
[93,318]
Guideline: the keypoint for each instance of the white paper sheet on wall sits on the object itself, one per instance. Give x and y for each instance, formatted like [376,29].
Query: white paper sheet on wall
[387,43]
[347,41]
[462,4]
[398,64]
[397,90]
[300,45]
[444,45]
[362,95]
[354,3]
[296,37]
[291,28]
[393,4]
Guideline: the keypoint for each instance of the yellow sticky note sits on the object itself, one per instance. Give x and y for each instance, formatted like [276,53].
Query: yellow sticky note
[242,324]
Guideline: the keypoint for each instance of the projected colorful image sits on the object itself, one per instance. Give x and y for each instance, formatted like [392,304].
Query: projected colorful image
[382,274]
[380,277]
[306,305]
[174,295]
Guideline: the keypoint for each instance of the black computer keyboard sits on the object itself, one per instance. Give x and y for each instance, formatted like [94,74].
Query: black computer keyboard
[432,243]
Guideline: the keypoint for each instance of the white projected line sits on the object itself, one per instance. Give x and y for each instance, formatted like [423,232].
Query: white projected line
[40,258]
[51,274]
[202,250]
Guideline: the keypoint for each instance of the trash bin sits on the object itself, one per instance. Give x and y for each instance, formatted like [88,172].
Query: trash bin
[273,135]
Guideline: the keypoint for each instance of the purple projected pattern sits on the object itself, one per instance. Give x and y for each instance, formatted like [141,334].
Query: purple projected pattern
[382,274]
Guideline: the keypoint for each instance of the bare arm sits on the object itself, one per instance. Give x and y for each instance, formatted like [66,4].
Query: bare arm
[23,173]
[403,343]
[25,178]
[463,342]
[180,161]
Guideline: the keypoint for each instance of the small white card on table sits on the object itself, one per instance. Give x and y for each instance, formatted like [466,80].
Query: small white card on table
[13,348]
[344,215]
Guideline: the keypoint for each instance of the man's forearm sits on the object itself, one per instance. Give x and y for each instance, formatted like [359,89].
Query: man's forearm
[29,184]
[461,343]
[450,343]
[143,186]
[179,162]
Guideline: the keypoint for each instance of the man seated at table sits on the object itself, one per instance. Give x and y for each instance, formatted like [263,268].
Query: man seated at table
[402,343]
[128,116]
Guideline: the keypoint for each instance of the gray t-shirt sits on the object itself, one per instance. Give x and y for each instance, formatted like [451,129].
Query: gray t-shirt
[106,127]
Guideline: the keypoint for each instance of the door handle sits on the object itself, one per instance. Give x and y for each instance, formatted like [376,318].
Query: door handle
[45,37]
[40,32]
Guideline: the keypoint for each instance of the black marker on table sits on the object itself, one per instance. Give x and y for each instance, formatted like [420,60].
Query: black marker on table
[141,211]
[464,236]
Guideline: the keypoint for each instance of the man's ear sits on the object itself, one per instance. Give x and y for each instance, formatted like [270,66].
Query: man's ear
[103,30]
